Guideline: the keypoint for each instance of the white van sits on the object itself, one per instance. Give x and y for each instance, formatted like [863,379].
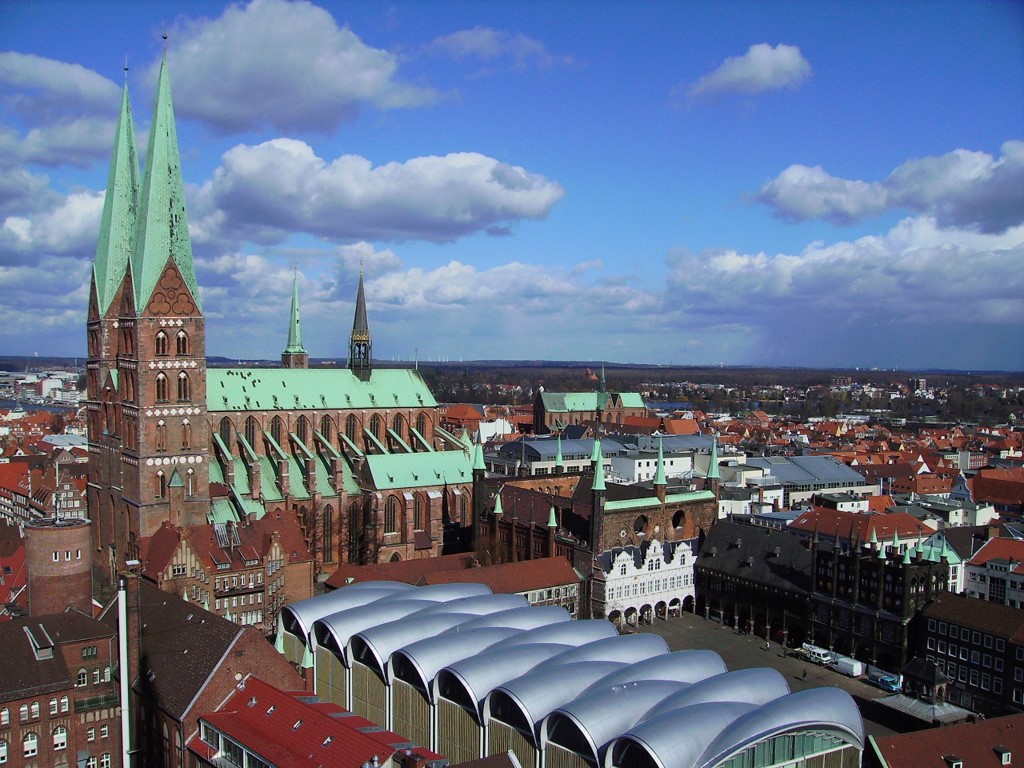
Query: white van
[817,655]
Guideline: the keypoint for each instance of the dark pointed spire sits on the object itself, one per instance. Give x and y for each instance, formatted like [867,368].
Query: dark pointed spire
[162,222]
[294,356]
[360,349]
[120,209]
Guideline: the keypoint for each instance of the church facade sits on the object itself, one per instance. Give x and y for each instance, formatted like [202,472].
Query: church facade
[356,454]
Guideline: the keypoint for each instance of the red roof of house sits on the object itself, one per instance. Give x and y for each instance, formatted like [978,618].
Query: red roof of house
[975,744]
[1001,549]
[511,578]
[682,427]
[999,486]
[283,729]
[849,525]
[406,571]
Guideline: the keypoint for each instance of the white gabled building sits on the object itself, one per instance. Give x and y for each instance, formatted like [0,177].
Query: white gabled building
[637,584]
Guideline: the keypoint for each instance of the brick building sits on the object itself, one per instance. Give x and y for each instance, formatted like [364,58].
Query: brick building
[243,572]
[356,454]
[980,648]
[59,704]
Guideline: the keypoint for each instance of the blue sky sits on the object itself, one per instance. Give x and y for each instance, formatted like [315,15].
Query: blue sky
[831,184]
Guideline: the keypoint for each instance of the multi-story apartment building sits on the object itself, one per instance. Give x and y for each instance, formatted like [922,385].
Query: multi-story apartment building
[59,703]
[980,648]
[244,573]
[996,572]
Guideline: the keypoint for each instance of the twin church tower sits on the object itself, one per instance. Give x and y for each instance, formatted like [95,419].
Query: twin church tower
[170,441]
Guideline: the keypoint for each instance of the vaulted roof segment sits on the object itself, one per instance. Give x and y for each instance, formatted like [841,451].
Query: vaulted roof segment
[120,210]
[162,223]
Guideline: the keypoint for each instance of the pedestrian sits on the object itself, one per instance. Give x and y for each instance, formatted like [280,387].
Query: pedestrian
[767,645]
[804,676]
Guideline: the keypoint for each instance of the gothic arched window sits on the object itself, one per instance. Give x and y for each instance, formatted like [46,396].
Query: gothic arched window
[391,515]
[161,435]
[161,344]
[352,428]
[302,430]
[181,343]
[375,425]
[326,428]
[421,425]
[251,428]
[184,388]
[161,388]
[276,428]
[328,535]
[418,518]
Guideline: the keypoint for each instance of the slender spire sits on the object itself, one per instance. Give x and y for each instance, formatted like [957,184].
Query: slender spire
[598,484]
[294,356]
[497,505]
[552,517]
[559,463]
[120,208]
[360,349]
[659,474]
[294,329]
[478,458]
[162,222]
[713,473]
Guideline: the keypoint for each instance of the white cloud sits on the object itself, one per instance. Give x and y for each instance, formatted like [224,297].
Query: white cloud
[55,113]
[283,64]
[68,229]
[762,68]
[495,45]
[44,90]
[905,297]
[961,189]
[263,193]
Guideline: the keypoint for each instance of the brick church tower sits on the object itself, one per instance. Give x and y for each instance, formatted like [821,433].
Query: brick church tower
[148,430]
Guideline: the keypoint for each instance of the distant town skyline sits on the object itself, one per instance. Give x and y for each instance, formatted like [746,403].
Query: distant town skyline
[833,184]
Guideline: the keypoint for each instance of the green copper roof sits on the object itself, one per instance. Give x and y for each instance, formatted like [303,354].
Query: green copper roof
[552,517]
[120,206]
[272,389]
[598,484]
[570,402]
[559,462]
[497,505]
[162,223]
[294,330]
[713,473]
[478,457]
[652,501]
[659,474]
[416,470]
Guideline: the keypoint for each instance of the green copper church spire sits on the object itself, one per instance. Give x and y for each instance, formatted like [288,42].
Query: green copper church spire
[294,330]
[294,356]
[659,473]
[162,224]
[120,207]
[360,349]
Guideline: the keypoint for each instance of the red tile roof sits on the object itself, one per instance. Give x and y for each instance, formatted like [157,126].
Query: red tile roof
[285,730]
[510,578]
[849,525]
[1000,549]
[975,744]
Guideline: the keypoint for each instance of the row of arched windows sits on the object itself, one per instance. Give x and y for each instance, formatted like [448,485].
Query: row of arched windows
[303,429]
[160,484]
[181,344]
[27,712]
[161,435]
[396,508]
[163,388]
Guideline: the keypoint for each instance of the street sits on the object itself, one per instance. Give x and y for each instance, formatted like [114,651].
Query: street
[740,651]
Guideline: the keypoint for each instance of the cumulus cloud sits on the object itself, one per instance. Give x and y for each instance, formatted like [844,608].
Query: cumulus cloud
[762,68]
[493,46]
[283,64]
[55,113]
[263,193]
[961,189]
[67,229]
[875,298]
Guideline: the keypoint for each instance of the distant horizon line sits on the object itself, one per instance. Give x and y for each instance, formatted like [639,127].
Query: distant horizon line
[224,361]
